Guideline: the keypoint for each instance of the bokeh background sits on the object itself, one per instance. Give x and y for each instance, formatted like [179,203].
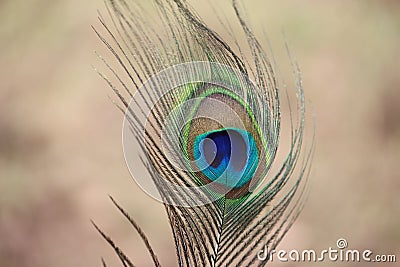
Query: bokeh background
[60,134]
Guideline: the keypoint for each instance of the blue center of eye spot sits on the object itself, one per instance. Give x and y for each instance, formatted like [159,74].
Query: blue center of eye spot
[229,154]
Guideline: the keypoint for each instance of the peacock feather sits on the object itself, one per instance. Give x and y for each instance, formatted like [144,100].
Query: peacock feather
[202,130]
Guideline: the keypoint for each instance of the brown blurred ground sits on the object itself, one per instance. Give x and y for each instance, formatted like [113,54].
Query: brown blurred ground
[60,147]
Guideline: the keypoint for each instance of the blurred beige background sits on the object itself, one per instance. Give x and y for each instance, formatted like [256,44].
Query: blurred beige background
[60,135]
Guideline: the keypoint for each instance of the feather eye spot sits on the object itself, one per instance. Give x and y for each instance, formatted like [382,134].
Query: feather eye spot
[200,130]
[229,153]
